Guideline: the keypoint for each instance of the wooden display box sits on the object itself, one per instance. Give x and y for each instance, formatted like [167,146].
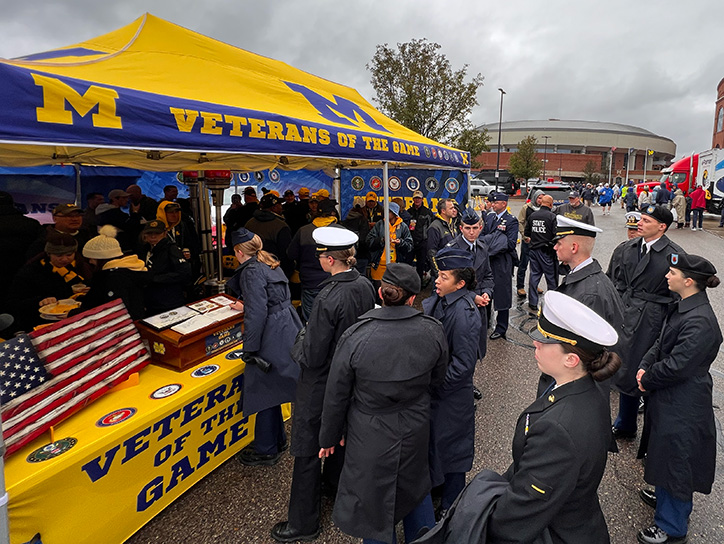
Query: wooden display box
[178,351]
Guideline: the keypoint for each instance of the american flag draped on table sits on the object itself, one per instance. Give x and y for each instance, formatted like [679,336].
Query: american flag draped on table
[49,374]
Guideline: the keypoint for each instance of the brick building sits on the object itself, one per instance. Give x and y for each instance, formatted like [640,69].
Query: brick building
[567,146]
[717,140]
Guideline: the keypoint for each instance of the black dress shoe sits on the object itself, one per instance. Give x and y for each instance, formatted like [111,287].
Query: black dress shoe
[497,335]
[251,458]
[648,496]
[618,434]
[282,532]
[477,395]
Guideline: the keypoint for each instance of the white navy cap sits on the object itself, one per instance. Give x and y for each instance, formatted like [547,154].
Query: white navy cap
[566,226]
[333,238]
[632,219]
[564,320]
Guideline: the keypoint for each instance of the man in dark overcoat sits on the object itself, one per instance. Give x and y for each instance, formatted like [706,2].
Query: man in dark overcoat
[441,230]
[468,240]
[586,283]
[500,234]
[644,265]
[343,298]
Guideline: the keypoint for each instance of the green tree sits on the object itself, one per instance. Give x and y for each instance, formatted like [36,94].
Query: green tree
[523,163]
[590,172]
[416,86]
[475,142]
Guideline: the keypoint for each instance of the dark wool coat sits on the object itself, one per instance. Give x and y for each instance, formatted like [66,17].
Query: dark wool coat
[438,236]
[495,232]
[303,250]
[452,431]
[484,283]
[378,386]
[343,298]
[645,301]
[559,455]
[275,235]
[169,274]
[122,283]
[681,453]
[270,326]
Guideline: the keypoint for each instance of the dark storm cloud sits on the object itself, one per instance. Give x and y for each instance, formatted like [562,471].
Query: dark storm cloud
[653,64]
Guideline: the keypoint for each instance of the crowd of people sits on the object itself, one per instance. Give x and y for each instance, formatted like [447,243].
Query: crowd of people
[391,437]
[383,393]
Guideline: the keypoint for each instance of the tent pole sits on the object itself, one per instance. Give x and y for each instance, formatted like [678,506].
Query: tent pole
[77,185]
[386,203]
[5,525]
[470,191]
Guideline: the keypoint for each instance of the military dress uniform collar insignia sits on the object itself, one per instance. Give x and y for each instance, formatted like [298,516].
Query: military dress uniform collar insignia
[559,393]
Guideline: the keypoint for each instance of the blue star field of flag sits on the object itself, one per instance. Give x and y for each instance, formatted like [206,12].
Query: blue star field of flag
[20,368]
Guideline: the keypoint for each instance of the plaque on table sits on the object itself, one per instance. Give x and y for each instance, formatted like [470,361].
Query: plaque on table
[196,338]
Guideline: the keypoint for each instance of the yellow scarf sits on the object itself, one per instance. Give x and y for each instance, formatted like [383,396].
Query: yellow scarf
[65,273]
[380,270]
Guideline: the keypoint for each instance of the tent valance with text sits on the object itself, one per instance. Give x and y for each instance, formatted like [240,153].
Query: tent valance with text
[154,95]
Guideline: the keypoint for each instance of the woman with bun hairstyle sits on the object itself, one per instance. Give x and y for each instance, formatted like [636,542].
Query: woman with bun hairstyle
[270,326]
[114,275]
[377,404]
[561,441]
[679,432]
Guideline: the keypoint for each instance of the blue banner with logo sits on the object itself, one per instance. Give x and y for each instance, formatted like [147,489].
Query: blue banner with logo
[434,184]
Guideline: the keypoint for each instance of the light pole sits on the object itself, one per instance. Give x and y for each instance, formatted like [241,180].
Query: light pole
[545,155]
[500,129]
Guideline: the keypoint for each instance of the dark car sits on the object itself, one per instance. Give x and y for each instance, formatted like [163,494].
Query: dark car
[559,191]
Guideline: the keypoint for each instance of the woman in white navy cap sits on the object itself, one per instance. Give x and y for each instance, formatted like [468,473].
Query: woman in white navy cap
[345,295]
[270,327]
[561,440]
[452,436]
[378,401]
[680,431]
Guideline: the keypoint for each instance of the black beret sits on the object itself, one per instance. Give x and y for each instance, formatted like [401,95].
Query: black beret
[452,258]
[402,275]
[661,214]
[692,264]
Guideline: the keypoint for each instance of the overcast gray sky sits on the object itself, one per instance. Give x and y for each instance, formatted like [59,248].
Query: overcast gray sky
[649,63]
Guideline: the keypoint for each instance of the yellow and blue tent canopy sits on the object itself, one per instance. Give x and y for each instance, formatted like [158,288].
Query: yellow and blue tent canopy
[156,96]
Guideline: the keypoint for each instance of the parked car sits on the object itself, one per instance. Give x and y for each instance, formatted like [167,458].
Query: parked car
[559,191]
[480,187]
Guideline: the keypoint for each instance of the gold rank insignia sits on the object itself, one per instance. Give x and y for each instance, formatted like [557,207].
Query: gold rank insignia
[551,398]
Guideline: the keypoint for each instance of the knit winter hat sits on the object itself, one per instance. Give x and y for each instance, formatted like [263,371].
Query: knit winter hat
[103,246]
[60,243]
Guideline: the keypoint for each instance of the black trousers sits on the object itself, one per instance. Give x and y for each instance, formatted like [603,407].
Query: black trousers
[305,499]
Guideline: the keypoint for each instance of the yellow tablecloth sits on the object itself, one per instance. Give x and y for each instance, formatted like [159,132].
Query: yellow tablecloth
[119,476]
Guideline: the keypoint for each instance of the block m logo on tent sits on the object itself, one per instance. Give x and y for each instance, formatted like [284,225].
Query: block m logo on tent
[342,111]
[56,94]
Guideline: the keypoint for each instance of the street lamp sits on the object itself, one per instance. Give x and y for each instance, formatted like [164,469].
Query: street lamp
[545,154]
[500,128]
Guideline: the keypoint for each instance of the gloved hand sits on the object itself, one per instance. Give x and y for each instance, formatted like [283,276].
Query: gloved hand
[252,358]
